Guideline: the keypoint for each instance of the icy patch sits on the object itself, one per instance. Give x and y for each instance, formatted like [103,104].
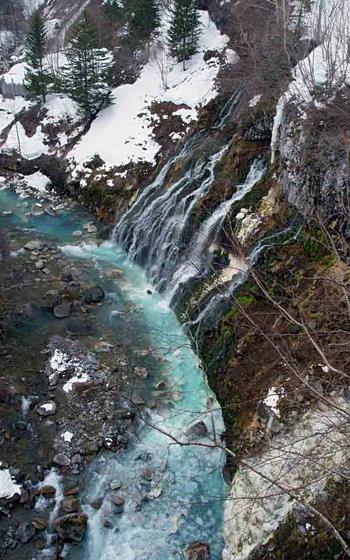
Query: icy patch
[8,487]
[299,462]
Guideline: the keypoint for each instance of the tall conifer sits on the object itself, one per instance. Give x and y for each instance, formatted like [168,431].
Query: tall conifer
[89,73]
[145,19]
[36,78]
[184,30]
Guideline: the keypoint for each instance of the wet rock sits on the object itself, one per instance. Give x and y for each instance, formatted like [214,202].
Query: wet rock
[48,491]
[37,210]
[96,503]
[71,527]
[70,505]
[62,310]
[147,474]
[7,391]
[25,533]
[62,460]
[34,245]
[141,372]
[39,265]
[94,295]
[47,408]
[198,430]
[197,551]
[161,386]
[118,503]
[77,459]
[39,524]
[91,228]
[77,233]
[115,484]
[107,523]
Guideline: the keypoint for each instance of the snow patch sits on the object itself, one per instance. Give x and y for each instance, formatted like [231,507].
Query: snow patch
[123,133]
[8,487]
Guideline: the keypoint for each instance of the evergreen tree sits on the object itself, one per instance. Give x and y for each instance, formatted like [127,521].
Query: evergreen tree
[184,30]
[37,77]
[145,20]
[88,76]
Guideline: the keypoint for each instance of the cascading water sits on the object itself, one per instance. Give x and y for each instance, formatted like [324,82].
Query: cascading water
[197,256]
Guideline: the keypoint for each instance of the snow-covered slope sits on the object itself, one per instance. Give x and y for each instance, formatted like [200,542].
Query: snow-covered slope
[123,132]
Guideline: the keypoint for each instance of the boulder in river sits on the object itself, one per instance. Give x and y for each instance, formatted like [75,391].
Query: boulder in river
[62,460]
[94,295]
[63,310]
[71,527]
[197,551]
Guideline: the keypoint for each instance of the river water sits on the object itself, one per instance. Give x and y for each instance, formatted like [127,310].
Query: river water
[173,493]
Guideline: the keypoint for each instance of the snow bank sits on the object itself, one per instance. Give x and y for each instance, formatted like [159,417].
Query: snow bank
[301,460]
[8,487]
[38,182]
[123,132]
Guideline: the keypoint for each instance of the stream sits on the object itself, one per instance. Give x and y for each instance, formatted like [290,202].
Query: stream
[173,495]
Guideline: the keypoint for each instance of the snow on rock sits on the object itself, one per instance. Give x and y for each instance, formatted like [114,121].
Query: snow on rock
[67,436]
[37,182]
[30,147]
[255,100]
[272,399]
[8,487]
[123,132]
[62,363]
[9,108]
[300,460]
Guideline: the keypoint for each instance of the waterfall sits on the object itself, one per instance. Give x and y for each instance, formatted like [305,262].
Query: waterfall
[157,229]
[197,256]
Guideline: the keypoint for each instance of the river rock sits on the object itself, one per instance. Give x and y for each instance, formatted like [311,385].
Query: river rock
[37,210]
[47,408]
[62,460]
[198,430]
[71,527]
[7,391]
[118,503]
[147,474]
[115,484]
[39,524]
[39,264]
[70,505]
[62,310]
[34,245]
[25,533]
[94,295]
[141,372]
[48,491]
[96,503]
[197,551]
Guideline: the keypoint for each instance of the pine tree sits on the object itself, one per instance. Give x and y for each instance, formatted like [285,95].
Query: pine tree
[145,20]
[184,30]
[37,77]
[88,75]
